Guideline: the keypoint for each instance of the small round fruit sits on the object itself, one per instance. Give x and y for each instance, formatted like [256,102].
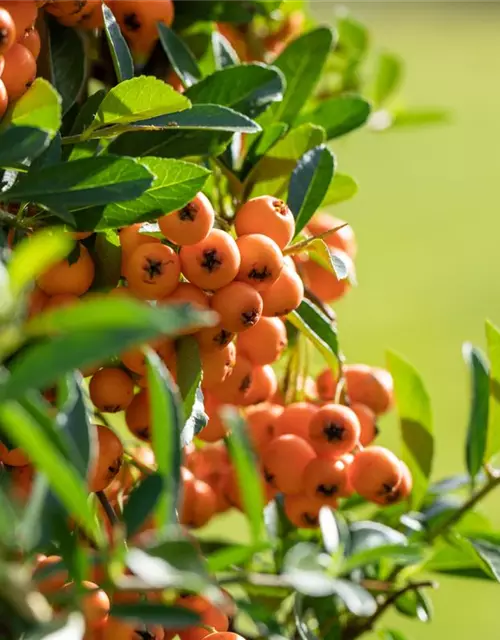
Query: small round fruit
[264,385]
[303,511]
[95,605]
[402,492]
[61,300]
[267,215]
[137,416]
[323,283]
[264,343]
[326,385]
[284,461]
[375,473]
[53,582]
[343,239]
[334,429]
[211,616]
[285,295]
[215,428]
[325,480]
[368,424]
[239,306]
[370,386]
[131,237]
[7,31]
[213,338]
[19,71]
[236,386]
[201,507]
[261,261]
[262,420]
[117,629]
[64,277]
[108,460]
[191,224]
[295,419]
[185,292]
[31,40]
[152,271]
[217,365]
[111,389]
[138,21]
[13,457]
[23,13]
[212,263]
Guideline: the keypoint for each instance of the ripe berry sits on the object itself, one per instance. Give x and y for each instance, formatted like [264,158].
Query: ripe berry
[236,386]
[108,460]
[152,271]
[111,390]
[213,338]
[264,342]
[215,429]
[212,263]
[19,71]
[74,278]
[95,605]
[404,488]
[325,479]
[211,616]
[186,292]
[342,239]
[130,238]
[239,306]
[261,421]
[375,473]
[264,385]
[334,429]
[261,261]
[7,31]
[55,581]
[284,295]
[201,506]
[370,386]
[61,300]
[303,511]
[138,21]
[23,13]
[267,215]
[137,416]
[217,365]
[31,40]
[13,457]
[295,419]
[367,421]
[326,385]
[284,461]
[323,283]
[191,224]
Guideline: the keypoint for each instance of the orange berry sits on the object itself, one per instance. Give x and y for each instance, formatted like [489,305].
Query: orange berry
[138,21]
[185,292]
[111,389]
[261,261]
[37,300]
[13,457]
[211,616]
[213,338]
[264,385]
[264,342]
[284,460]
[201,507]
[236,39]
[284,295]
[267,215]
[303,511]
[116,629]
[23,13]
[61,300]
[31,40]
[53,582]
[334,429]
[295,419]
[208,463]
[236,386]
[375,473]
[215,429]
[21,479]
[137,416]
[152,271]
[326,385]
[239,306]
[262,420]
[95,605]
[367,421]
[74,278]
[131,238]
[4,98]
[174,81]
[342,239]
[191,224]
[108,460]
[325,480]
[212,263]
[323,283]
[370,386]
[7,31]
[402,491]
[224,635]
[19,71]
[217,365]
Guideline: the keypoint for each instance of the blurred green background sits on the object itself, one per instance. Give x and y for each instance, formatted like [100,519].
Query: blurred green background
[428,227]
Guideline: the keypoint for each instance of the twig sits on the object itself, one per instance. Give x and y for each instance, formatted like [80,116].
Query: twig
[108,509]
[13,221]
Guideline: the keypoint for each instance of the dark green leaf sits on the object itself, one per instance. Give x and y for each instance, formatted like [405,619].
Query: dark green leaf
[154,613]
[489,554]
[263,143]
[249,481]
[414,411]
[82,183]
[415,604]
[67,62]
[51,155]
[401,555]
[477,432]
[388,75]
[120,53]
[87,112]
[40,107]
[216,11]
[231,555]
[167,421]
[179,55]
[309,184]
[18,144]
[142,502]
[493,344]
[370,535]
[248,88]
[224,54]
[188,371]
[339,115]
[312,322]
[341,188]
[108,259]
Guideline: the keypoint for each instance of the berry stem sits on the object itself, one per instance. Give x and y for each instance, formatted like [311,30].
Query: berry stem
[106,505]
[13,221]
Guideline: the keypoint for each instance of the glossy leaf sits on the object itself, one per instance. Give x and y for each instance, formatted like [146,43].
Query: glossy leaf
[305,570]
[309,184]
[370,535]
[197,418]
[339,115]
[39,107]
[142,502]
[414,411]
[489,554]
[493,350]
[179,55]
[401,555]
[49,156]
[262,144]
[18,144]
[67,62]
[87,112]
[120,53]
[188,371]
[329,530]
[227,556]
[388,75]
[340,189]
[358,600]
[312,322]
[154,613]
[329,259]
[224,54]
[477,432]
[208,117]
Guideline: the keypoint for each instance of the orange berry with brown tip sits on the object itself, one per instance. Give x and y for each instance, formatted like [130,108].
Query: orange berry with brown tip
[217,365]
[368,423]
[266,215]
[326,385]
[236,386]
[295,419]
[284,461]
[264,385]
[239,306]
[95,604]
[63,277]
[265,342]
[23,13]
[31,40]
[138,21]
[213,338]
[325,480]
[375,473]
[403,491]
[261,261]
[7,31]
[108,460]
[284,295]
[323,283]
[111,389]
[19,71]
[152,271]
[215,428]
[191,224]
[212,263]
[138,416]
[261,420]
[131,237]
[302,511]
[343,239]
[370,386]
[334,429]
[4,98]
[13,457]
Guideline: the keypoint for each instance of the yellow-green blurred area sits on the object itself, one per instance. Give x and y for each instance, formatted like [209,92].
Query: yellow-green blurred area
[428,227]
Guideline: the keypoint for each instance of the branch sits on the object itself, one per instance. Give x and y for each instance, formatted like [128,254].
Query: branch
[13,221]
[108,509]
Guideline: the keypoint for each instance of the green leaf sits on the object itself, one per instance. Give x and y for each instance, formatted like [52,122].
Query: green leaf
[207,117]
[120,53]
[400,555]
[224,54]
[357,599]
[312,322]
[301,64]
[319,251]
[262,144]
[138,99]
[477,432]
[67,62]
[60,629]
[217,11]
[64,480]
[87,112]
[141,503]
[339,115]
[197,419]
[370,535]
[489,554]
[90,181]
[353,37]
[391,634]
[388,76]
[188,371]
[414,410]
[248,88]
[305,570]
[179,55]
[154,613]
[493,344]
[167,421]
[238,554]
[39,107]
[107,259]
[249,481]
[18,144]
[309,184]
[36,254]
[341,188]
[51,155]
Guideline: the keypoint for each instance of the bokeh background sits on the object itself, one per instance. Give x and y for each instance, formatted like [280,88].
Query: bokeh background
[427,219]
